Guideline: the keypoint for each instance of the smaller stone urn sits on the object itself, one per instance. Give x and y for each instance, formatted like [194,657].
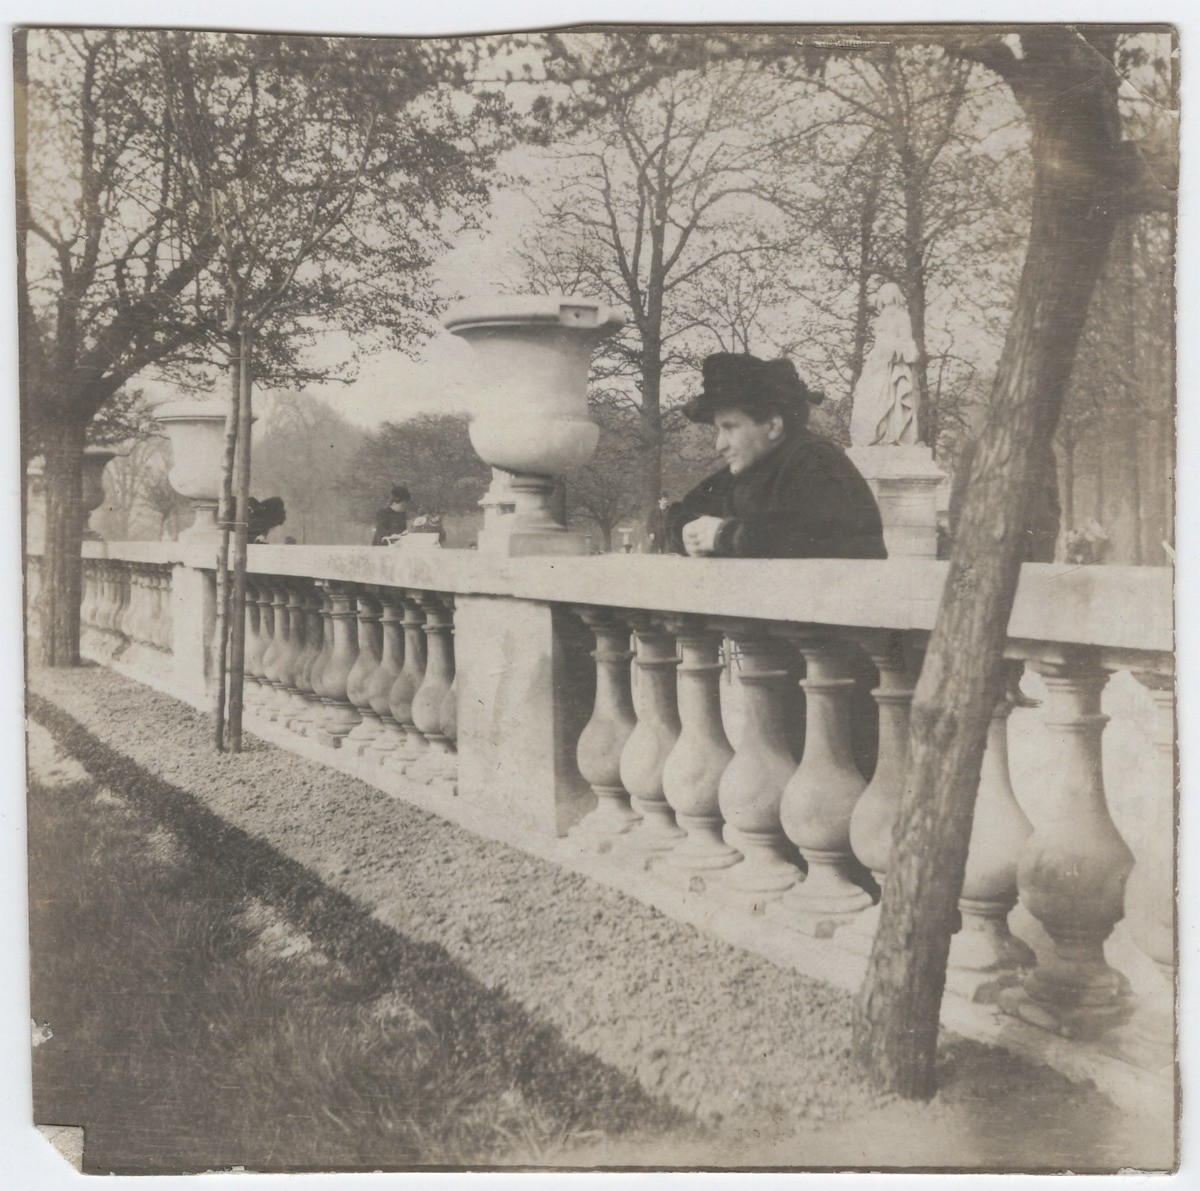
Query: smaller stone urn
[95,460]
[196,430]
[532,420]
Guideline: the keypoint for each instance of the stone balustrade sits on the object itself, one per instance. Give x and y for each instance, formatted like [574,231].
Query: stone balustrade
[126,611]
[735,727]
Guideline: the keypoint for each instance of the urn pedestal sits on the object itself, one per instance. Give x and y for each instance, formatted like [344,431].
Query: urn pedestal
[905,481]
[532,422]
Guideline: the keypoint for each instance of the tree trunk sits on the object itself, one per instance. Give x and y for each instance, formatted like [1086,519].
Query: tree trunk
[62,568]
[1077,160]
[1133,447]
[1068,485]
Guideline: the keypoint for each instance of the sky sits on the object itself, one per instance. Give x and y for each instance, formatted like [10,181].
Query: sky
[391,386]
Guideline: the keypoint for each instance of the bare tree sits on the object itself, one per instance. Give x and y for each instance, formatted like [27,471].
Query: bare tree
[659,194]
[1085,176]
[103,269]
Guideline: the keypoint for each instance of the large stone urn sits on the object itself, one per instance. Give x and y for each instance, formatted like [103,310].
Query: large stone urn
[196,430]
[532,418]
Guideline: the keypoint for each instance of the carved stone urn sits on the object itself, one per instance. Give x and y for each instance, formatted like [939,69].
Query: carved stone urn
[95,460]
[532,419]
[196,430]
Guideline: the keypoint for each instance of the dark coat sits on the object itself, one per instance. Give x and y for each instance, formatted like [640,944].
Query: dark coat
[803,500]
[387,523]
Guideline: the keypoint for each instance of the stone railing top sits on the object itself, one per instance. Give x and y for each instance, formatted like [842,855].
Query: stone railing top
[1118,608]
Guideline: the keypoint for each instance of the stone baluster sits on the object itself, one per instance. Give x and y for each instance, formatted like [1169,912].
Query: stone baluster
[340,714]
[102,618]
[289,699]
[116,604]
[316,720]
[391,662]
[253,693]
[603,739]
[153,605]
[306,702]
[316,717]
[370,644]
[408,682]
[144,619]
[984,954]
[450,735]
[691,776]
[91,594]
[132,616]
[439,674]
[1072,871]
[820,796]
[102,613]
[162,609]
[752,785]
[158,579]
[275,651]
[874,815]
[650,744]
[450,718]
[120,604]
[124,600]
[130,609]
[112,612]
[1149,1039]
[110,599]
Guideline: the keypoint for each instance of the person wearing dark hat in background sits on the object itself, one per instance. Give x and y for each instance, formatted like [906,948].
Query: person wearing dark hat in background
[262,517]
[392,521]
[785,492]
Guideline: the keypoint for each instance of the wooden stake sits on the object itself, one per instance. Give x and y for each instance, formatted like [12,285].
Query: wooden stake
[224,516]
[241,536]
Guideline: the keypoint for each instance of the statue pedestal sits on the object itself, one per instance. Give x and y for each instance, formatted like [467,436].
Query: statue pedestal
[905,481]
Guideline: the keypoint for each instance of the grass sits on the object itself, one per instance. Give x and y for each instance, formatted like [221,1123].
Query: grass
[212,1004]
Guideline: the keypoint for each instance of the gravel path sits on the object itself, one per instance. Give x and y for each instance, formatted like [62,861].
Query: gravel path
[724,1035]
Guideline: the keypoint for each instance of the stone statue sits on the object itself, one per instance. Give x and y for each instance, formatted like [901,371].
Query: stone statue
[884,405]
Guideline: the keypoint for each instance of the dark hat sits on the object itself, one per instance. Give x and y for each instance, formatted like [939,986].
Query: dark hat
[746,382]
[399,492]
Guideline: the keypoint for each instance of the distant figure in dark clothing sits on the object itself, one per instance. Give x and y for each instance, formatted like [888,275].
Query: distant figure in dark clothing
[660,526]
[392,521]
[784,492]
[264,516]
